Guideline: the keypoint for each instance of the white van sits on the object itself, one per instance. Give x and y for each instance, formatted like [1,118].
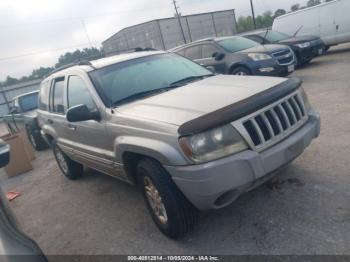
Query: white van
[330,21]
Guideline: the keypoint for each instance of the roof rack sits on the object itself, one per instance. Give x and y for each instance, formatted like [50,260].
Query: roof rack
[88,63]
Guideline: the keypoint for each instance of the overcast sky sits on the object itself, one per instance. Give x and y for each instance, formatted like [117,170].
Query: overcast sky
[35,32]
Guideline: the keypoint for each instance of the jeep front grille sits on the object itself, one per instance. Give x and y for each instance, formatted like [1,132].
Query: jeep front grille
[273,123]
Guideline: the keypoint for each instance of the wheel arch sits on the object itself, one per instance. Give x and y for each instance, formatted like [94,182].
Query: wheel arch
[237,65]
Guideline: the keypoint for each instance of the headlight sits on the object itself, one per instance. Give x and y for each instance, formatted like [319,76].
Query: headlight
[259,57]
[212,144]
[305,99]
[303,45]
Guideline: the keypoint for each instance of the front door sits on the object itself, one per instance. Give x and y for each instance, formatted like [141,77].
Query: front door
[88,138]
[207,59]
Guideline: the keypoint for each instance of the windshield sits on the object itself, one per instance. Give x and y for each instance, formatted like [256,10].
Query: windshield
[28,102]
[235,44]
[140,76]
[273,36]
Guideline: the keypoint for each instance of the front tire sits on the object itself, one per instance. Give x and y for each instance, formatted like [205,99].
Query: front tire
[242,71]
[71,169]
[170,210]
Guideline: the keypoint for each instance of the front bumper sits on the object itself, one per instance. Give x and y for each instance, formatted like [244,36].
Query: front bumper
[277,69]
[306,54]
[218,183]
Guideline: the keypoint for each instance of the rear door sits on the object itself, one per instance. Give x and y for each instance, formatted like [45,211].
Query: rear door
[56,119]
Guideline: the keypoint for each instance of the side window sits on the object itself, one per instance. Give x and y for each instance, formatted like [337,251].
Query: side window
[44,95]
[57,103]
[193,52]
[78,93]
[208,51]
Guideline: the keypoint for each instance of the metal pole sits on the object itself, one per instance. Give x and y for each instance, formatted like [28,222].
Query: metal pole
[179,19]
[252,7]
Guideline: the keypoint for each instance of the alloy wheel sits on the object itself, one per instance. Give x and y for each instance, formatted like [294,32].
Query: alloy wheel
[61,160]
[155,200]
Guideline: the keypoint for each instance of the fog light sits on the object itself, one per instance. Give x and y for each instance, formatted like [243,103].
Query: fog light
[266,69]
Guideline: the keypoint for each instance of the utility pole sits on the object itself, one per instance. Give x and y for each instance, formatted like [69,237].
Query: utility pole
[252,7]
[179,20]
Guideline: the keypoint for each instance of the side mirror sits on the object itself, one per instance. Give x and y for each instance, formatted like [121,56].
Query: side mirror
[218,56]
[82,113]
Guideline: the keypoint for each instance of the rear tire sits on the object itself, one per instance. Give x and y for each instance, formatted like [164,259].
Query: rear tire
[240,70]
[71,169]
[36,140]
[173,214]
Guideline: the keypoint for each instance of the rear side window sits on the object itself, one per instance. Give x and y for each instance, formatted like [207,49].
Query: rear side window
[57,103]
[44,96]
[194,52]
[78,93]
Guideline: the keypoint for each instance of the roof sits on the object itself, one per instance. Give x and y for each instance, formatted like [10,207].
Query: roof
[103,62]
[306,9]
[155,20]
[203,40]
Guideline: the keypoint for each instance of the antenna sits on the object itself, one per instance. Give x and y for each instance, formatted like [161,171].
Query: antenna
[86,32]
[179,20]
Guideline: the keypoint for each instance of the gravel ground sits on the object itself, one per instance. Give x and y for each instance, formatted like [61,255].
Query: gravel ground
[308,212]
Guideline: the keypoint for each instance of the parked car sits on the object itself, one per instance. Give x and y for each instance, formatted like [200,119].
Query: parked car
[329,20]
[15,246]
[23,118]
[190,139]
[240,56]
[305,47]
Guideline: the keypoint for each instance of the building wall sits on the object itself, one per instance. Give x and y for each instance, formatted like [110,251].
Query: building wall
[9,92]
[166,33]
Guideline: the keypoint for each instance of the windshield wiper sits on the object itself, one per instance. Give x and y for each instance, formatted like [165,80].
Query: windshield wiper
[143,95]
[190,79]
[147,93]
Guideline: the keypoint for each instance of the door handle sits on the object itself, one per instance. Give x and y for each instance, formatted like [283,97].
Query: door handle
[50,121]
[72,127]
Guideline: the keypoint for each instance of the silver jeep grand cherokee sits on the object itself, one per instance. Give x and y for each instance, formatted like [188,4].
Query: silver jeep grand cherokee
[190,139]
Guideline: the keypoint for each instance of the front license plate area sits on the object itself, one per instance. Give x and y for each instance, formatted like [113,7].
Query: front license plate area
[291,68]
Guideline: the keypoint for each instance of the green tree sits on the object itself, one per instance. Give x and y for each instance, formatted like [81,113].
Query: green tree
[279,12]
[295,7]
[245,23]
[264,20]
[79,55]
[10,81]
[40,73]
[313,3]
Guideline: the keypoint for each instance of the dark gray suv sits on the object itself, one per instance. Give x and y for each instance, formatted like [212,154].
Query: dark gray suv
[240,56]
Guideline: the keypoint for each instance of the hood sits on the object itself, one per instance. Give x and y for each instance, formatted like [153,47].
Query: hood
[199,98]
[264,49]
[299,39]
